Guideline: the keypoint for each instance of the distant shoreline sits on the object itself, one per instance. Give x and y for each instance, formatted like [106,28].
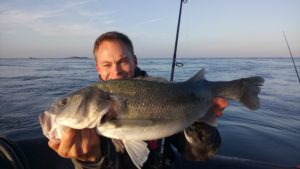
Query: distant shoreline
[76,57]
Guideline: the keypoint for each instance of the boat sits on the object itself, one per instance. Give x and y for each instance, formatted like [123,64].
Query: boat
[28,149]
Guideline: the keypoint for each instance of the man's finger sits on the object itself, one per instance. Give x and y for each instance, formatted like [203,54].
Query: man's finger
[220,102]
[53,145]
[217,111]
[95,138]
[67,141]
[86,140]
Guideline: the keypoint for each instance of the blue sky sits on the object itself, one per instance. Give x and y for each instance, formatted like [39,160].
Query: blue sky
[209,28]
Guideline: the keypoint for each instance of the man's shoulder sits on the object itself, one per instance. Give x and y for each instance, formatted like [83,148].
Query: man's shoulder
[140,73]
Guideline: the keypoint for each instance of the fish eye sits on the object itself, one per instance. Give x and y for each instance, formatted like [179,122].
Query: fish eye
[63,102]
[106,95]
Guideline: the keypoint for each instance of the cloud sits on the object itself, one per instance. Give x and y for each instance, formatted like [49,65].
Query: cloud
[18,19]
[94,17]
[63,29]
[149,21]
[54,21]
[13,14]
[97,13]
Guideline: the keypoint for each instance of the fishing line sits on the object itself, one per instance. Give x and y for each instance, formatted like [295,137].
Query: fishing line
[162,147]
[287,43]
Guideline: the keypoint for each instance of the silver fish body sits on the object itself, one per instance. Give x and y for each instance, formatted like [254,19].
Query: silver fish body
[146,109]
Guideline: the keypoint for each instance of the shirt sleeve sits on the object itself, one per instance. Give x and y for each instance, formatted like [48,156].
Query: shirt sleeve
[109,160]
[88,165]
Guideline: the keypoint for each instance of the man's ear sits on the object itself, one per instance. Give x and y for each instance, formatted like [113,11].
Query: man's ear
[135,60]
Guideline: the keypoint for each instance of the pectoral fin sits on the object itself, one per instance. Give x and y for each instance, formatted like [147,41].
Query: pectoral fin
[137,150]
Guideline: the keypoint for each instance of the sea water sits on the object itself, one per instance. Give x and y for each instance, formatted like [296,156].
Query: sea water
[270,134]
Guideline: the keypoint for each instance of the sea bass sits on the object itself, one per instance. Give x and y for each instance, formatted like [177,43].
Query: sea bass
[135,110]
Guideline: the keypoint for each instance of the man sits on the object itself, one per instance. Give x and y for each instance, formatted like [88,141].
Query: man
[115,59]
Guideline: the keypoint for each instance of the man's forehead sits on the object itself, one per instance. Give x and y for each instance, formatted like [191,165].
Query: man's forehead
[113,58]
[107,43]
[108,52]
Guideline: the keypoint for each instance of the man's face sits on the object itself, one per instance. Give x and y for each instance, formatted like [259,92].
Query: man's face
[114,61]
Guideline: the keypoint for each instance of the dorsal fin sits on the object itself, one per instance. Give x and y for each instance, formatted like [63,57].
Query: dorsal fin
[200,75]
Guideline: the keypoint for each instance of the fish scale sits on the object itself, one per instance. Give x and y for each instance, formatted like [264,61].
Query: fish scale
[142,96]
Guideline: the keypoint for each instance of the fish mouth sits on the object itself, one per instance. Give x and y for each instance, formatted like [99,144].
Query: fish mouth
[46,120]
[104,118]
[110,114]
[51,130]
[106,114]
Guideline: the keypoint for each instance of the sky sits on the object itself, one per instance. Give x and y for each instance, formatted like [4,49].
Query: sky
[209,28]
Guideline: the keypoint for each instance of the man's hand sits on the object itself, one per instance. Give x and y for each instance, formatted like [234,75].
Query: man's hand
[203,140]
[83,145]
[219,104]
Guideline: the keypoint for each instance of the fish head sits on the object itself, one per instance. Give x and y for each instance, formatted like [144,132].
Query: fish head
[80,109]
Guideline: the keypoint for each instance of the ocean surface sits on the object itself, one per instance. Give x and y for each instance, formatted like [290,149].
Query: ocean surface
[270,134]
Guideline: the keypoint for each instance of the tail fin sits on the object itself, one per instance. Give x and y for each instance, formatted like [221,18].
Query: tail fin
[249,92]
[244,90]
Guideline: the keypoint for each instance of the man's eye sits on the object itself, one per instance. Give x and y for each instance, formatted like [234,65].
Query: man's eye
[124,62]
[106,66]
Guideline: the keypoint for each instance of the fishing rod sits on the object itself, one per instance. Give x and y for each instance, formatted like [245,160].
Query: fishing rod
[161,162]
[176,42]
[287,43]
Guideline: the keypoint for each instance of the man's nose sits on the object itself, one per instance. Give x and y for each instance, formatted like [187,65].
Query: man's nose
[116,69]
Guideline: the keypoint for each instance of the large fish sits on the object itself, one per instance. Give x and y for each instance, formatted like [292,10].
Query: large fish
[135,110]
